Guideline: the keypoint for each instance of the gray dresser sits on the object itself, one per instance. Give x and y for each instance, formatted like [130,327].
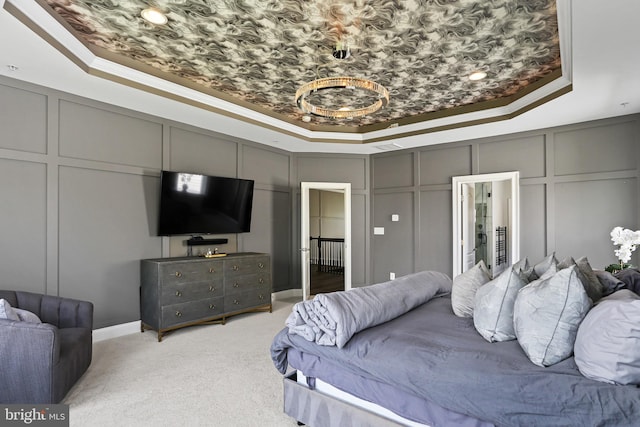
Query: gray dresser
[179,292]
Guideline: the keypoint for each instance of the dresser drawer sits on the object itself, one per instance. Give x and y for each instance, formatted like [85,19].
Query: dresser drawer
[249,265]
[191,311]
[190,272]
[244,300]
[183,292]
[238,284]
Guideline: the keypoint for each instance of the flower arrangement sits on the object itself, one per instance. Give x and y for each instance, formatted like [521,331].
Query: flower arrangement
[628,240]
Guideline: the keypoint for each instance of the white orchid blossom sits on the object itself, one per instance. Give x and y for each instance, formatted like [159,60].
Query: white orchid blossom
[627,240]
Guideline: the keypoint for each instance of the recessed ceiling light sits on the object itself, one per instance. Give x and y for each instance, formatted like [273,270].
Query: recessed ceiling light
[12,67]
[306,118]
[154,16]
[477,75]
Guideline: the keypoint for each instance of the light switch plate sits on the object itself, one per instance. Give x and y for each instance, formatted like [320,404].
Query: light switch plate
[378,230]
[395,217]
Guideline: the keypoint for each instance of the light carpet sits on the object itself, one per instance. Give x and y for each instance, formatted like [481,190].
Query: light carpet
[210,375]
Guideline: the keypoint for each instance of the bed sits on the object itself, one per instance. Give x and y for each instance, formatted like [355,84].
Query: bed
[428,366]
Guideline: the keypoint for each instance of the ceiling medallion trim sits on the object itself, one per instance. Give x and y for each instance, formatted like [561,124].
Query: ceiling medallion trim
[341,82]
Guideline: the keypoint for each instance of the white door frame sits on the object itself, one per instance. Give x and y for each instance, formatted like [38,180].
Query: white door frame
[344,188]
[514,213]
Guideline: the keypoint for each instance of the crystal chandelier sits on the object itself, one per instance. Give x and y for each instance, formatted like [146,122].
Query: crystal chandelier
[341,83]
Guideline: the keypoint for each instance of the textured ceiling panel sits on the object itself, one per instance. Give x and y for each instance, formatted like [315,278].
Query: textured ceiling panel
[258,53]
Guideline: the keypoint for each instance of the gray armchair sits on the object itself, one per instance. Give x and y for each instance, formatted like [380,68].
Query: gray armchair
[39,363]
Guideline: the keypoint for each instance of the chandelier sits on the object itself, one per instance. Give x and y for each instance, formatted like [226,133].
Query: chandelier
[341,83]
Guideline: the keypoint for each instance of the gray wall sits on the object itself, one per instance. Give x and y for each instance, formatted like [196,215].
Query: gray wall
[79,184]
[79,181]
[576,183]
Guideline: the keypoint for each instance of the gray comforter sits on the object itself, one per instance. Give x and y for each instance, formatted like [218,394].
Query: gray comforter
[332,319]
[433,354]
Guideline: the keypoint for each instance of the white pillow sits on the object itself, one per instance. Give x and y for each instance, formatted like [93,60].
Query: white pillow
[465,285]
[493,311]
[547,314]
[6,311]
[607,346]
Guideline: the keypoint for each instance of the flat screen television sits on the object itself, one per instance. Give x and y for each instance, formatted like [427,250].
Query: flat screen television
[202,204]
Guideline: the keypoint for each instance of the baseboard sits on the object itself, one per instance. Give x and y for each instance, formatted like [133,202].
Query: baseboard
[116,331]
[123,329]
[289,293]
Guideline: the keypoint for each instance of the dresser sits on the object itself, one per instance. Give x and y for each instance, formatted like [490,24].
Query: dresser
[186,291]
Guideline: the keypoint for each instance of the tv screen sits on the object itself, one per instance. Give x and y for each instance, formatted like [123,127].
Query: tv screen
[201,204]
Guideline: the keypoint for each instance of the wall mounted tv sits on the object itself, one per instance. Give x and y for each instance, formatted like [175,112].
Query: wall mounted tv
[202,204]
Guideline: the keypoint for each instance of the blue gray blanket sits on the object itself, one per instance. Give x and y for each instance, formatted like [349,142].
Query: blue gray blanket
[332,319]
[433,354]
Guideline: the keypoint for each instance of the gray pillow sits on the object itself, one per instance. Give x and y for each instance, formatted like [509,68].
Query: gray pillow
[6,311]
[465,285]
[540,268]
[609,282]
[547,314]
[592,285]
[607,346]
[27,316]
[493,311]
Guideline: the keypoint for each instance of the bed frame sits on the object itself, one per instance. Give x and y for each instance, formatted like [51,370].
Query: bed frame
[327,406]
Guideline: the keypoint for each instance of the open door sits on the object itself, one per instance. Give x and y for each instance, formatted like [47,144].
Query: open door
[305,250]
[468,241]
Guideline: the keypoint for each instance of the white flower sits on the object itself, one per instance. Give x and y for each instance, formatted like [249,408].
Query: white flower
[627,240]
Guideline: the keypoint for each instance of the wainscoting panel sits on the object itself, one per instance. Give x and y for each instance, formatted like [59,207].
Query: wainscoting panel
[435,232]
[597,149]
[526,154]
[104,232]
[438,166]
[359,252]
[270,233]
[23,120]
[202,153]
[393,170]
[587,211]
[325,168]
[266,167]
[92,133]
[23,225]
[533,227]
[394,251]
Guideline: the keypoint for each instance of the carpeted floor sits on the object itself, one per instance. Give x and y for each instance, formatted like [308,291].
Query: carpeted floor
[211,375]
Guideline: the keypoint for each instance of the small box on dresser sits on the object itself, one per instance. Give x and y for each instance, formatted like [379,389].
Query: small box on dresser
[185,291]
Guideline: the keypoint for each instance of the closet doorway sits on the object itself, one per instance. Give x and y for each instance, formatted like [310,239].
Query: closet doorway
[325,237]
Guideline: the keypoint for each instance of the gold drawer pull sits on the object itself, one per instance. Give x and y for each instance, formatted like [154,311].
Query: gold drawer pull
[178,314]
[178,274]
[260,265]
[235,268]
[236,285]
[178,293]
[212,307]
[212,288]
[212,270]
[236,302]
[261,280]
[261,297]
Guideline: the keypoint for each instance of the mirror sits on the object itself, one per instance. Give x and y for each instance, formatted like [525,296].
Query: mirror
[486,222]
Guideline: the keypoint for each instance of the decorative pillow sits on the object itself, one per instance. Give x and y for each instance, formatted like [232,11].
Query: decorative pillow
[6,311]
[27,316]
[493,311]
[631,278]
[465,285]
[540,268]
[567,262]
[607,346]
[590,281]
[547,314]
[609,282]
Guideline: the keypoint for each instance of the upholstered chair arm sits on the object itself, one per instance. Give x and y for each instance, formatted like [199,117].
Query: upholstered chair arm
[28,351]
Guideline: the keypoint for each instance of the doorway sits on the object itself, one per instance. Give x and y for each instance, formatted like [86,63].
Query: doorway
[325,237]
